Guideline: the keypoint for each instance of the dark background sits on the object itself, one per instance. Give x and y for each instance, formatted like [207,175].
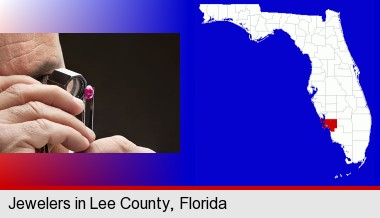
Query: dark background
[136,80]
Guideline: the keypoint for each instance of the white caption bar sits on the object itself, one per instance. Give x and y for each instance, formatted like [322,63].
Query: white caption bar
[174,203]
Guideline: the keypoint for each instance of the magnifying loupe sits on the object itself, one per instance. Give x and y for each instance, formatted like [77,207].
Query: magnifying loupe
[69,80]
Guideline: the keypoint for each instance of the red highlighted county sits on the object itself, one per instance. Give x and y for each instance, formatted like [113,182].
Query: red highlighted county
[332,124]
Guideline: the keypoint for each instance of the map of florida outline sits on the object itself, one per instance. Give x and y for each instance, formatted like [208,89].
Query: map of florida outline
[338,97]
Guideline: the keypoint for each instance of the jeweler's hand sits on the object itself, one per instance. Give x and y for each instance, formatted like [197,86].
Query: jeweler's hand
[33,115]
[115,144]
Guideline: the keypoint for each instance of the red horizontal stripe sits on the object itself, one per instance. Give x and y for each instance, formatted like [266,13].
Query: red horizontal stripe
[190,188]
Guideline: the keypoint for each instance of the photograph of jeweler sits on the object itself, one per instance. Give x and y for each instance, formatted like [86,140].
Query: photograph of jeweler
[89,93]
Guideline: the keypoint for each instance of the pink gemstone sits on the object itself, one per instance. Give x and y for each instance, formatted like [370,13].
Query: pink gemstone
[89,92]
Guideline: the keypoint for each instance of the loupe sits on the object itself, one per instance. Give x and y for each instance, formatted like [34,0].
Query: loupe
[69,80]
